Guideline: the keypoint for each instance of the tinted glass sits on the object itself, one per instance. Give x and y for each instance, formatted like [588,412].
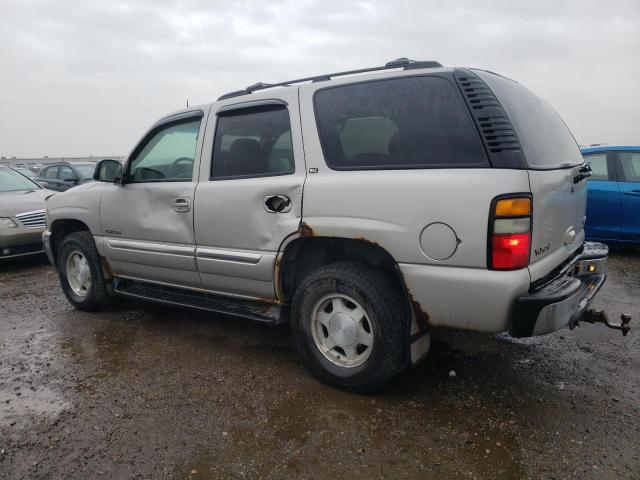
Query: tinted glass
[51,172]
[411,122]
[546,141]
[12,181]
[168,155]
[253,142]
[85,171]
[66,174]
[599,167]
[630,166]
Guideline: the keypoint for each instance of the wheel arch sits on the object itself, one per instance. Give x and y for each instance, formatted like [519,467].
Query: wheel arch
[304,254]
[60,229]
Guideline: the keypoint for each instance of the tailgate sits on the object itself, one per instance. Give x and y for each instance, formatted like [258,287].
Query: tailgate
[559,208]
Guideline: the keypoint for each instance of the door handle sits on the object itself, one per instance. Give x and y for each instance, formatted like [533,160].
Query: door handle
[277,204]
[632,192]
[182,204]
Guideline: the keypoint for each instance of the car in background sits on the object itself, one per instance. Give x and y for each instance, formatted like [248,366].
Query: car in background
[22,217]
[62,176]
[613,195]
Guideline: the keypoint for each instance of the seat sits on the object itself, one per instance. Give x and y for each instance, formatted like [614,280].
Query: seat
[246,158]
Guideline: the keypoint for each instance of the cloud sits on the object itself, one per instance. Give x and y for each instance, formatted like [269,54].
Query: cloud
[81,77]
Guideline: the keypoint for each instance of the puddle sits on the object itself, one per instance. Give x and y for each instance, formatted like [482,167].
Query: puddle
[408,434]
[107,346]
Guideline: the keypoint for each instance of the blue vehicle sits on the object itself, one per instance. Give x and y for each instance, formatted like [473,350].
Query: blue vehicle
[613,201]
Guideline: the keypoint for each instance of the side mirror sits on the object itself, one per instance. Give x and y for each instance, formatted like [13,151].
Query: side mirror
[108,170]
[43,184]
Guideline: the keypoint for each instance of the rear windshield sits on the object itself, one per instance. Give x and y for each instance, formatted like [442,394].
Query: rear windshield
[414,122]
[546,141]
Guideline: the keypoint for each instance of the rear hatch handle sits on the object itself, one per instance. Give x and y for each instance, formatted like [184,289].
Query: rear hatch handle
[583,172]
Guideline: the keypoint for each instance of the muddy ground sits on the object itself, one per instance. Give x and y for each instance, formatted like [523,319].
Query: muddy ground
[144,391]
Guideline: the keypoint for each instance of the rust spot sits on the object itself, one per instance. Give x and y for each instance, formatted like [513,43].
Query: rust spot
[276,279]
[367,240]
[106,267]
[305,230]
[272,301]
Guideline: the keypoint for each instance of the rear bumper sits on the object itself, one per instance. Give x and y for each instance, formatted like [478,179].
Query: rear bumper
[560,301]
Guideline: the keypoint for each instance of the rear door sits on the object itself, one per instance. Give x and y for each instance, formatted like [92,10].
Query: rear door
[603,198]
[249,198]
[630,195]
[553,160]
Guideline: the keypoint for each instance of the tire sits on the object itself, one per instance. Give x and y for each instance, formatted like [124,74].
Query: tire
[80,245]
[345,285]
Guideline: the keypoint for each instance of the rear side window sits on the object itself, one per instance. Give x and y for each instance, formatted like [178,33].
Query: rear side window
[630,166]
[415,122]
[253,142]
[546,141]
[599,167]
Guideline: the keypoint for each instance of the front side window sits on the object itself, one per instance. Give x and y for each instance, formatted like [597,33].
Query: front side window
[630,166]
[51,172]
[415,122]
[253,142]
[599,168]
[168,155]
[67,174]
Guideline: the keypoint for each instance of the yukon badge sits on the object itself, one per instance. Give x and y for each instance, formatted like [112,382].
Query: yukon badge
[541,250]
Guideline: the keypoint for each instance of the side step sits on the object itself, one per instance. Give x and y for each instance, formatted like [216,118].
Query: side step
[252,310]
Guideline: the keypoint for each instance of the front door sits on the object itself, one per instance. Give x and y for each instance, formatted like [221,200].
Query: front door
[147,222]
[249,198]
[630,190]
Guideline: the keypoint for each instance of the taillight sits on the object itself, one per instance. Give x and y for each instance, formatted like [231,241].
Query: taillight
[509,232]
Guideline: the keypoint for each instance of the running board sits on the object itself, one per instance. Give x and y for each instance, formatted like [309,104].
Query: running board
[252,310]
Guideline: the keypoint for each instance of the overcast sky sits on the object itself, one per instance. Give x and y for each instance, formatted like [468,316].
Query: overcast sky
[84,77]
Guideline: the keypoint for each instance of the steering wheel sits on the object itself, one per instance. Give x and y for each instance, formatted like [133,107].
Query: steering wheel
[180,161]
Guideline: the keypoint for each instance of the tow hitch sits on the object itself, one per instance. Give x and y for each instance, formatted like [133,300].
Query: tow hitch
[600,316]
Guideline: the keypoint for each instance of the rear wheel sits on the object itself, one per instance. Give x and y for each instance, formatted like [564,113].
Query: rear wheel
[349,323]
[80,272]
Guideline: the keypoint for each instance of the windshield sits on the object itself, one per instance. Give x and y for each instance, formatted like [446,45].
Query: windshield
[85,171]
[11,181]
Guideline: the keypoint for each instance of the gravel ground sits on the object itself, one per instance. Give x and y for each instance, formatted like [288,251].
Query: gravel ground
[143,391]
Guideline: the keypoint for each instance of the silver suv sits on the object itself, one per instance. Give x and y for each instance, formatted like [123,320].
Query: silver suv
[365,207]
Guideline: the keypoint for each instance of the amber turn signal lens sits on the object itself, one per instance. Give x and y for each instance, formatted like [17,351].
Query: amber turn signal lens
[513,207]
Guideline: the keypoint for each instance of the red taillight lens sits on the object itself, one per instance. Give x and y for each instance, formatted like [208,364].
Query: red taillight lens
[510,232]
[510,251]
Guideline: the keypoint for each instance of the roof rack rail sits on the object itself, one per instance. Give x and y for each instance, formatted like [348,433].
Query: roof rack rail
[404,63]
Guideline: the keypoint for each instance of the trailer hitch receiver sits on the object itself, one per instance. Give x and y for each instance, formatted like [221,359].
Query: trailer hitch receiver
[600,316]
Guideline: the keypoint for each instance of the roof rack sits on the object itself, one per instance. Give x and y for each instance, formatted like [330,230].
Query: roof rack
[404,63]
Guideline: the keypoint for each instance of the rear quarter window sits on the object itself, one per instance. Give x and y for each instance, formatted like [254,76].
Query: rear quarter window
[546,141]
[410,122]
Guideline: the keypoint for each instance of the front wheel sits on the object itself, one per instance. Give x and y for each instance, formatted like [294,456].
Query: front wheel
[80,272]
[350,325]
